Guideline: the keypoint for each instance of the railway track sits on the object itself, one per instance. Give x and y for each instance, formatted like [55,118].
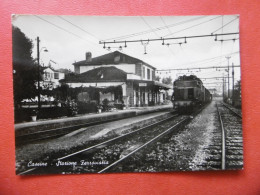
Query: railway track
[232,124]
[233,110]
[226,152]
[126,145]
[56,132]
[110,155]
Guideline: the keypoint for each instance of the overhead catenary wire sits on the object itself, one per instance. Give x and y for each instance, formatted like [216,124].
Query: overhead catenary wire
[234,41]
[215,61]
[201,62]
[192,26]
[154,29]
[222,36]
[165,24]
[169,31]
[225,25]
[214,77]
[150,27]
[63,29]
[145,44]
[171,38]
[58,27]
[210,59]
[78,27]
[197,68]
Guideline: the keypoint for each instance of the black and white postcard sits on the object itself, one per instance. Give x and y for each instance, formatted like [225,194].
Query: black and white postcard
[106,94]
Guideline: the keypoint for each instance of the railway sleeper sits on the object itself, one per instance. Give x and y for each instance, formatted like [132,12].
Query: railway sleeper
[234,157]
[216,157]
[234,152]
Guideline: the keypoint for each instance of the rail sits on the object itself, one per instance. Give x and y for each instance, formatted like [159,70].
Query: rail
[142,146]
[234,112]
[223,140]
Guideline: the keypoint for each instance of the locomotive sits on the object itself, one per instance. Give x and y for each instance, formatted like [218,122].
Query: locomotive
[189,94]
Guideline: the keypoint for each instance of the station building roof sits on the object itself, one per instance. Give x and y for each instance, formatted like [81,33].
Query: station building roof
[108,74]
[115,57]
[101,74]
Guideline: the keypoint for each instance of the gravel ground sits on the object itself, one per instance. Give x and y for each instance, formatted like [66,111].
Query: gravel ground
[183,151]
[113,152]
[206,127]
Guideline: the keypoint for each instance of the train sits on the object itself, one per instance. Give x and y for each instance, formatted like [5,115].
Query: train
[189,94]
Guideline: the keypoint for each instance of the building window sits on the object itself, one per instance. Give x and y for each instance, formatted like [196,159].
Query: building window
[143,72]
[148,74]
[47,76]
[56,75]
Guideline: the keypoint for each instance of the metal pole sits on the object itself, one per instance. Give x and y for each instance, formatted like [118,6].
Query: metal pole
[233,81]
[228,57]
[38,61]
[223,88]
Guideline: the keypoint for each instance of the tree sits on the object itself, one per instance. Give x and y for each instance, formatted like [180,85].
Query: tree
[24,67]
[237,90]
[157,78]
[167,80]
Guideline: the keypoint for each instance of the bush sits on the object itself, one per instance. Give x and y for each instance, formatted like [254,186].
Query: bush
[24,114]
[52,112]
[119,106]
[107,105]
[72,108]
[87,107]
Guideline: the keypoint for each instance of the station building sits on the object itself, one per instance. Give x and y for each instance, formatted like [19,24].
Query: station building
[119,78]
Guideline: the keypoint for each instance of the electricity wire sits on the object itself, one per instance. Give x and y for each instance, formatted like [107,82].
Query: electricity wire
[224,25]
[154,29]
[63,29]
[78,27]
[192,26]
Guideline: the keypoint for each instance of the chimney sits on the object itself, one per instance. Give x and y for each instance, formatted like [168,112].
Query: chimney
[88,56]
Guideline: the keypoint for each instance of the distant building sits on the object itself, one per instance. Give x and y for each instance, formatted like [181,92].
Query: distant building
[50,78]
[213,91]
[129,79]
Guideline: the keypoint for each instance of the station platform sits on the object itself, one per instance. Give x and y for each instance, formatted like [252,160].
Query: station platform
[41,125]
[78,138]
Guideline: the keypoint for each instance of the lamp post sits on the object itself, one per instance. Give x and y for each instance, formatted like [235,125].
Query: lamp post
[38,63]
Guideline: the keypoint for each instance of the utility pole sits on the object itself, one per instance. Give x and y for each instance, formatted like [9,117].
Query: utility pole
[39,70]
[38,82]
[233,81]
[228,57]
[223,87]
[38,61]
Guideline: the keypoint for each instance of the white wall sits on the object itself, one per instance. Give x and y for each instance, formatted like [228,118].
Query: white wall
[133,76]
[128,68]
[49,77]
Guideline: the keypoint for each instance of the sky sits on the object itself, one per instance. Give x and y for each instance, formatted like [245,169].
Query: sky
[68,38]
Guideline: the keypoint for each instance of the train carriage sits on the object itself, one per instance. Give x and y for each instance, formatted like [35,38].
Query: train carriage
[189,94]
